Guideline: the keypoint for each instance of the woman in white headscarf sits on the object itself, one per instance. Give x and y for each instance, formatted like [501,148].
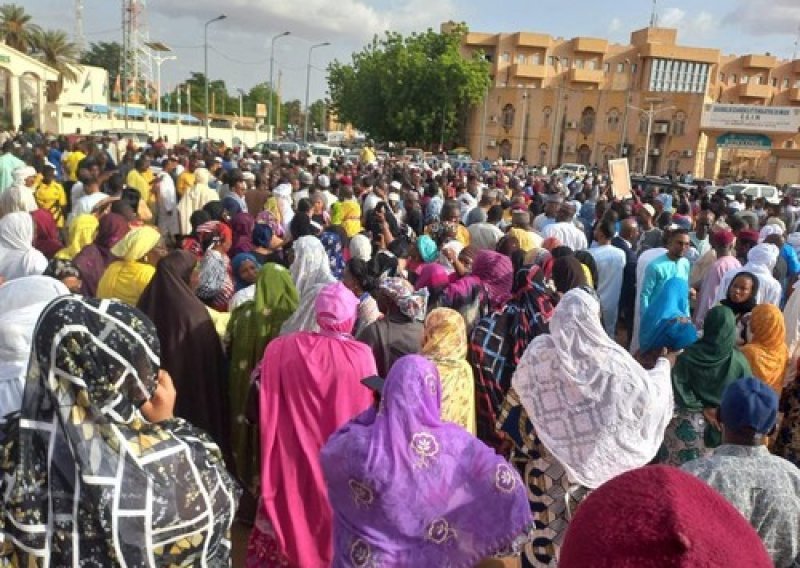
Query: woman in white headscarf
[17,255]
[283,203]
[311,272]
[361,248]
[761,261]
[195,199]
[19,196]
[593,406]
[23,300]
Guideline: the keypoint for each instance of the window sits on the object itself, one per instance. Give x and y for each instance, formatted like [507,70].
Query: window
[674,76]
[546,112]
[606,67]
[734,79]
[552,60]
[797,84]
[506,57]
[613,119]
[508,116]
[722,77]
[578,64]
[744,80]
[587,121]
[762,79]
[591,64]
[679,124]
[785,83]
[774,81]
[638,161]
[643,122]
[620,67]
[673,162]
[536,59]
[634,67]
[543,154]
[520,58]
[565,62]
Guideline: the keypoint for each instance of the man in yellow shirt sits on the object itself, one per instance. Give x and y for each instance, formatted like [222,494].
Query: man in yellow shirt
[50,195]
[140,178]
[186,179]
[72,160]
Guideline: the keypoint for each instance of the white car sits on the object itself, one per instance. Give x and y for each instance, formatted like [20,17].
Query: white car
[572,170]
[323,154]
[754,190]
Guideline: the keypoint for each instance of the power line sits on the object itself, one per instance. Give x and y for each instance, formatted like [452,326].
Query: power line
[234,60]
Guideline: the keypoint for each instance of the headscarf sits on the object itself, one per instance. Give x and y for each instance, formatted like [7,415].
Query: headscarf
[311,388]
[136,244]
[59,269]
[252,326]
[215,210]
[445,343]
[17,198]
[747,306]
[232,206]
[360,247]
[81,232]
[707,366]
[405,453]
[268,218]
[765,254]
[432,275]
[568,273]
[237,263]
[660,516]
[666,320]
[17,255]
[46,238]
[262,235]
[215,285]
[427,248]
[93,364]
[213,233]
[411,304]
[23,300]
[766,352]
[592,405]
[311,271]
[242,228]
[184,326]
[335,251]
[590,265]
[496,273]
[95,258]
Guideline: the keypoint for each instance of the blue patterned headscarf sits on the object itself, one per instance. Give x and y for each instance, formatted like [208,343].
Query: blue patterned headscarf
[333,247]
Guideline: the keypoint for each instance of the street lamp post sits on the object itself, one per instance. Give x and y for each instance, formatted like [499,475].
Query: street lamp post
[271,79]
[159,48]
[523,127]
[650,113]
[308,84]
[205,61]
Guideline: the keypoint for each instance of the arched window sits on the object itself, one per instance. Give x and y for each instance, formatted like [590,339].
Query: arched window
[638,161]
[544,156]
[587,121]
[508,117]
[673,161]
[608,154]
[585,155]
[546,112]
[613,120]
[679,123]
[643,124]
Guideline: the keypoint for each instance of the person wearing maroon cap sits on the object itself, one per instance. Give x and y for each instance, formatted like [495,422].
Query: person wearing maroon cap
[745,240]
[721,241]
[660,517]
[764,488]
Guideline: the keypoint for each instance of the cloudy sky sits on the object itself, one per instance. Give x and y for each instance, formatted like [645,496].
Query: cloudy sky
[239,45]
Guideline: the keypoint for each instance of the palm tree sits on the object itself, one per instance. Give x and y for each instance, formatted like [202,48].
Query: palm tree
[16,28]
[54,49]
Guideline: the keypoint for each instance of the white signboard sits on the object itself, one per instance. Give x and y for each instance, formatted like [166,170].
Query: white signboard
[620,178]
[751,118]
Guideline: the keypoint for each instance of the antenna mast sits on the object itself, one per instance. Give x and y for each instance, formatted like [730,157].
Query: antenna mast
[654,15]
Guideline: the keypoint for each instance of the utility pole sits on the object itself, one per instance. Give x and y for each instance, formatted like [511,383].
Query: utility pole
[650,113]
[308,83]
[270,118]
[205,61]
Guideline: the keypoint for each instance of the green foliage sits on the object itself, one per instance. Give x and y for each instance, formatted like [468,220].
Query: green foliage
[412,89]
[55,49]
[16,28]
[107,55]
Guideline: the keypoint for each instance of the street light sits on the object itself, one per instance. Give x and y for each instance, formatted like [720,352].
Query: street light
[205,60]
[650,113]
[271,79]
[308,82]
[241,105]
[159,48]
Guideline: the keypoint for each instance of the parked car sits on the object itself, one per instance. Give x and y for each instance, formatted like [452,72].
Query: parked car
[770,193]
[572,170]
[323,154]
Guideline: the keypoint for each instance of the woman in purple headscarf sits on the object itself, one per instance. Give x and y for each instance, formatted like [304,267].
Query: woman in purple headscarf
[410,490]
[93,260]
[242,227]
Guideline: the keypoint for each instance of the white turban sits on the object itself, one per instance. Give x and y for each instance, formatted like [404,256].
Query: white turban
[765,254]
[22,173]
[768,230]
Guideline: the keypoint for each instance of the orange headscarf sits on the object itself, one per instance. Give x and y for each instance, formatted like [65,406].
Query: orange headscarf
[766,352]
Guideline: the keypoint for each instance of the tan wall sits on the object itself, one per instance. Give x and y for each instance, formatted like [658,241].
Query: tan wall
[600,75]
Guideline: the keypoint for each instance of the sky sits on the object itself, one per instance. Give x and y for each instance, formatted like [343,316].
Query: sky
[239,46]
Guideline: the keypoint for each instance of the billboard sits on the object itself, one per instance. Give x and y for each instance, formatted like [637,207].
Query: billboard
[751,118]
[620,178]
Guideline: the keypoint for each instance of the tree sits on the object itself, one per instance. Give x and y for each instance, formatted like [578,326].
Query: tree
[317,111]
[108,55]
[412,89]
[16,28]
[292,115]
[54,48]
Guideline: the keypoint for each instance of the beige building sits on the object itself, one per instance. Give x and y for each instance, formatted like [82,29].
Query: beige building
[555,100]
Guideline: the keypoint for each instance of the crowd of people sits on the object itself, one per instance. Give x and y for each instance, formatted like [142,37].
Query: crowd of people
[389,363]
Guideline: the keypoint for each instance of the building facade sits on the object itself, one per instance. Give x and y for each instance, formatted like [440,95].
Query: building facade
[668,108]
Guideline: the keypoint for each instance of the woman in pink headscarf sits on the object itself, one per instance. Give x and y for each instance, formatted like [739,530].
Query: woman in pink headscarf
[310,386]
